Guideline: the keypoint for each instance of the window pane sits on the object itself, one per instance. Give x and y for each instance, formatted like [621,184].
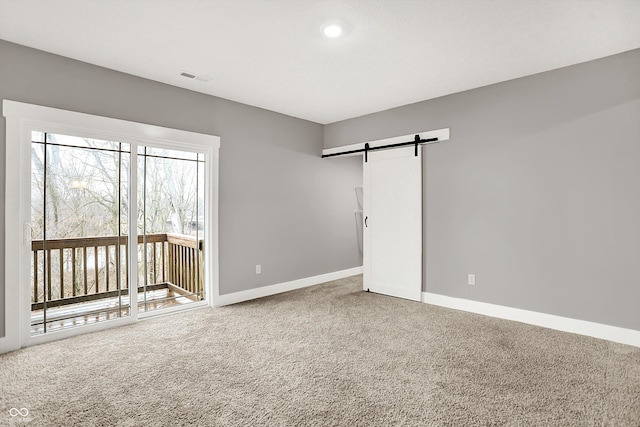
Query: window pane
[171,195]
[74,141]
[78,249]
[37,136]
[162,152]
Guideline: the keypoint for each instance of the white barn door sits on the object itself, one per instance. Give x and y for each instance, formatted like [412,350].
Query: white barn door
[393,222]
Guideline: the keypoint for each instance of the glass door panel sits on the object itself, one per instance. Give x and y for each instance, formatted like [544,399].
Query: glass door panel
[170,227]
[79,217]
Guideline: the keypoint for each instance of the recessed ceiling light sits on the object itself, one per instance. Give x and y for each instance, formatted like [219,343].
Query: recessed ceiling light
[332,30]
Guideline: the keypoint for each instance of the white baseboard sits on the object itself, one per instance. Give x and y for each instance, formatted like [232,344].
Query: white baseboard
[566,324]
[264,291]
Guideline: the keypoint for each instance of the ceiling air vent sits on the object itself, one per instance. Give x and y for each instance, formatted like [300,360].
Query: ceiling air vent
[194,77]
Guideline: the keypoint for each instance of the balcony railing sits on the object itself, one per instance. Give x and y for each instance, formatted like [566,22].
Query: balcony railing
[86,269]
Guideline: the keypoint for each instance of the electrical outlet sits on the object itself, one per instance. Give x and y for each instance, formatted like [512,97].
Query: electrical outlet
[258,268]
[471,279]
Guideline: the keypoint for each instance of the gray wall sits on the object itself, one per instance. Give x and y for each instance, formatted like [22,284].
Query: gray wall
[537,192]
[281,205]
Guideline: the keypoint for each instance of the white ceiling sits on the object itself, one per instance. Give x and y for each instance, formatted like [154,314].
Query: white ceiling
[272,54]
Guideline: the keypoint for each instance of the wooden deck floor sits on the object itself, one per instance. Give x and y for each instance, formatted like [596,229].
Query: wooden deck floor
[80,314]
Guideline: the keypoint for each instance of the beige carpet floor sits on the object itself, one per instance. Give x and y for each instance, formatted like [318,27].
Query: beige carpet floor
[328,355]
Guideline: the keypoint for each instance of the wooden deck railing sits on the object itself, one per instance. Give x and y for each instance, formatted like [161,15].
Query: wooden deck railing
[85,269]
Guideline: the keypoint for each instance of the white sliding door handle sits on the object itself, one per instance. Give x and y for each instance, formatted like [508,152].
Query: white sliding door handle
[26,234]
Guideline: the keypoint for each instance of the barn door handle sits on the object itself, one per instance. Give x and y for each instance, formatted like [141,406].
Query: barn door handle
[365,221]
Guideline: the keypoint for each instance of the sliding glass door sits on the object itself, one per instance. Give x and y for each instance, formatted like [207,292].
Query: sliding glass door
[108,221]
[81,259]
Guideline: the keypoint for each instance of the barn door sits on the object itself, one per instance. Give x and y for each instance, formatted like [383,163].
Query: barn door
[393,222]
